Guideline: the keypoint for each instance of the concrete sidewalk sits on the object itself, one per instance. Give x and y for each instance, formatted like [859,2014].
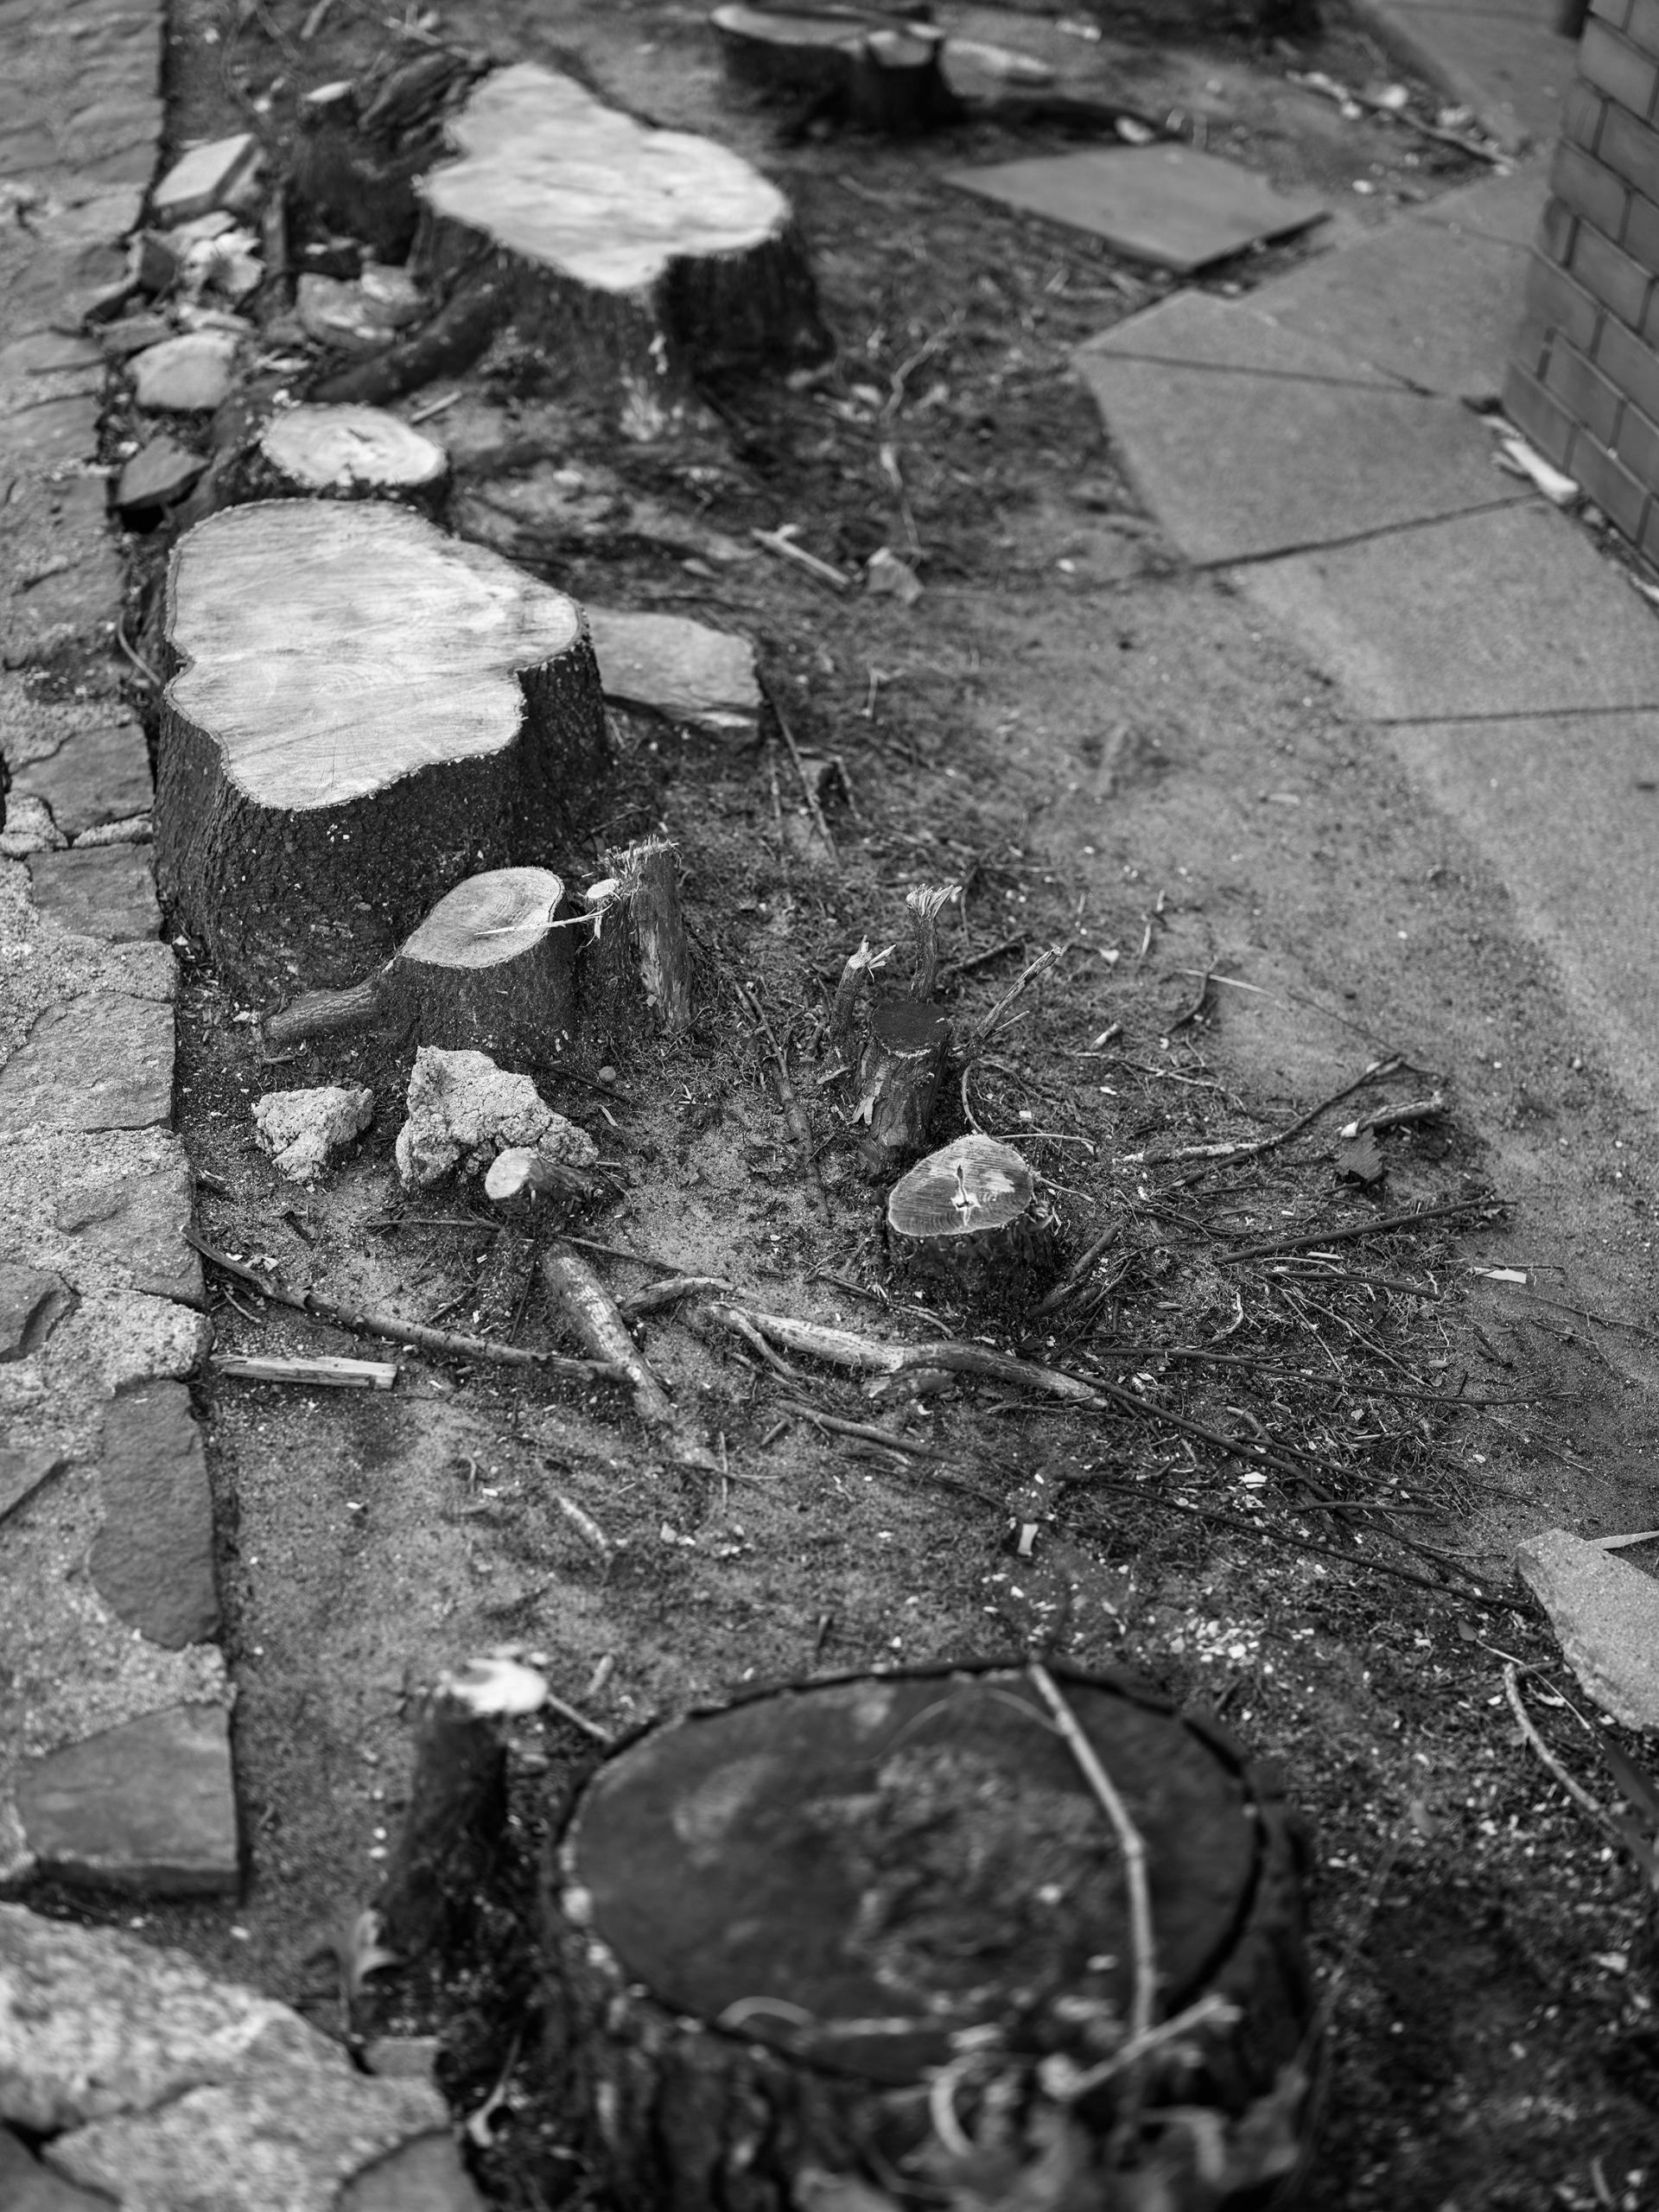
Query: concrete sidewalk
[1318,442]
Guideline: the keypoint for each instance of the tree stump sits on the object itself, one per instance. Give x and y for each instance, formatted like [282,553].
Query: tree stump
[340,453]
[884,77]
[457,1815]
[898,1079]
[363,712]
[970,1216]
[489,970]
[645,257]
[856,1939]
[639,964]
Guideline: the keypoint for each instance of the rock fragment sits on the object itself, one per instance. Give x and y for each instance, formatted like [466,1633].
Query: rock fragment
[463,1111]
[220,174]
[1605,1612]
[189,375]
[302,1129]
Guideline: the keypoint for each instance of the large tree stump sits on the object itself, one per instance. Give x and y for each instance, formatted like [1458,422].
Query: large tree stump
[645,257]
[490,970]
[364,712]
[970,1216]
[862,1938]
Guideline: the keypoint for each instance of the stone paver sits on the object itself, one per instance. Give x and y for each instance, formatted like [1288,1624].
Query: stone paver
[101,774]
[32,1300]
[28,2186]
[22,1470]
[189,375]
[101,1061]
[682,669]
[103,891]
[1605,1612]
[1171,206]
[1246,439]
[153,1558]
[1501,57]
[148,1805]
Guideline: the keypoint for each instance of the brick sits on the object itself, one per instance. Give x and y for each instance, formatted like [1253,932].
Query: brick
[1616,281]
[1585,185]
[1641,27]
[1538,415]
[1620,495]
[1581,114]
[1589,397]
[1617,68]
[1554,298]
[1638,447]
[1556,232]
[1630,147]
[1529,348]
[1627,362]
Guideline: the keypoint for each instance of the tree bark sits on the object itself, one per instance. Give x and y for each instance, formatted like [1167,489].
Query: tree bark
[363,712]
[898,1079]
[771,1927]
[970,1216]
[457,1812]
[645,257]
[639,962]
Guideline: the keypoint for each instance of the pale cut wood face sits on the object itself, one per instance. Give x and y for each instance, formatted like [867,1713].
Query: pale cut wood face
[332,650]
[345,445]
[488,920]
[554,175]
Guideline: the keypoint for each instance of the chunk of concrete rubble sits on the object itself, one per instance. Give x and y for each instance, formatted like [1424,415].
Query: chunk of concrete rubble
[300,1129]
[189,375]
[220,174]
[1605,1614]
[463,1111]
[33,1300]
[682,669]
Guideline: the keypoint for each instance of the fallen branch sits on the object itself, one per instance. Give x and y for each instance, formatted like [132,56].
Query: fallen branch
[315,1374]
[1382,1226]
[843,1348]
[782,542]
[454,1343]
[813,806]
[579,1294]
[1254,1147]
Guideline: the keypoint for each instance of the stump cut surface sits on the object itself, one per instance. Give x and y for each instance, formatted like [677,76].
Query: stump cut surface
[351,449]
[331,650]
[971,1187]
[852,1872]
[554,175]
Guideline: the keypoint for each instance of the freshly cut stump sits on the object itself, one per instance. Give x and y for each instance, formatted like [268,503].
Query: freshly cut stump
[771,1926]
[898,1078]
[489,970]
[970,1214]
[643,257]
[885,78]
[364,712]
[344,453]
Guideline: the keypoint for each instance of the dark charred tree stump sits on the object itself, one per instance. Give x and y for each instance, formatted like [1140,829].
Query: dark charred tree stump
[338,453]
[444,1851]
[490,970]
[970,1216]
[883,78]
[644,257]
[638,966]
[899,1076]
[363,712]
[876,1942]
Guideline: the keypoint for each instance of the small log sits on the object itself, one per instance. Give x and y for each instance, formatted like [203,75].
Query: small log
[970,1216]
[363,712]
[577,1292]
[338,453]
[644,258]
[489,970]
[446,1845]
[879,1940]
[640,959]
[883,77]
[322,1372]
[898,1079]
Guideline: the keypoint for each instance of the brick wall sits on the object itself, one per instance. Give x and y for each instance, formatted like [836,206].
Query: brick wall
[1583,374]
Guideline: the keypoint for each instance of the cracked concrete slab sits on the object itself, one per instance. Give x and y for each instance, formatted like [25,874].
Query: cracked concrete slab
[1247,439]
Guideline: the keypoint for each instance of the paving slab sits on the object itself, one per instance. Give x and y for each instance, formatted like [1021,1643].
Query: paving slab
[102,890]
[1508,207]
[1605,1612]
[1432,304]
[32,1301]
[152,1561]
[682,669]
[1503,58]
[1511,612]
[22,1470]
[1170,205]
[1246,439]
[148,1807]
[102,1061]
[28,2186]
[100,775]
[135,1219]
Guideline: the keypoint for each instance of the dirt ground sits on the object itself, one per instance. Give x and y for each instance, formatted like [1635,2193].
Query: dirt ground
[1254,908]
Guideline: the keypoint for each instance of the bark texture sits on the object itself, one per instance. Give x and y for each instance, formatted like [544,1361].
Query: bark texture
[645,257]
[638,966]
[457,1811]
[363,712]
[769,1928]
[898,1079]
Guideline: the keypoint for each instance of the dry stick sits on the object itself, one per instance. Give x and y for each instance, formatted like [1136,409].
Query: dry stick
[668,1292]
[987,1028]
[812,805]
[1381,1227]
[1144,1999]
[1076,1273]
[592,1312]
[419,1334]
[1254,1149]
[1579,1795]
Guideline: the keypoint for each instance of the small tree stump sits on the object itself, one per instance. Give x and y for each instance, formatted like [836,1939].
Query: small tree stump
[772,1927]
[883,78]
[457,1815]
[489,970]
[638,963]
[970,1216]
[645,257]
[340,453]
[898,1079]
[363,712]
